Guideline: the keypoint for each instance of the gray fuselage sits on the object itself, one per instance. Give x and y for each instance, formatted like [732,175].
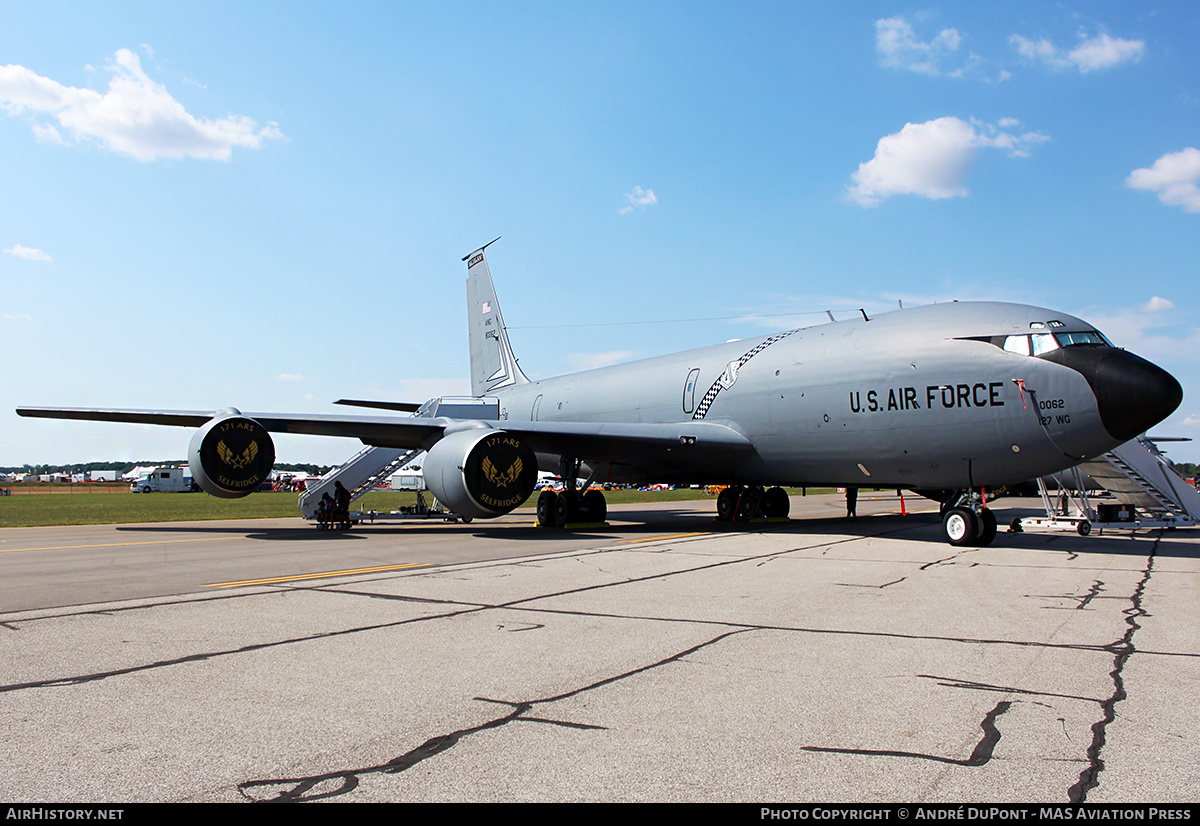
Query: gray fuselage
[918,398]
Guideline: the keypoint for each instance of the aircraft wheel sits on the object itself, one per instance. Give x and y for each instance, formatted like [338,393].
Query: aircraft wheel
[563,510]
[776,502]
[748,504]
[545,508]
[727,504]
[1085,528]
[595,506]
[960,527]
[467,520]
[987,528]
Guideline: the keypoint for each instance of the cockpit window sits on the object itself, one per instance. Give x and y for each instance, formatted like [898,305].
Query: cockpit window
[1017,344]
[1043,343]
[1037,344]
[1091,337]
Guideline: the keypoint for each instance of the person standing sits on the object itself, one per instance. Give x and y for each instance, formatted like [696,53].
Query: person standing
[341,501]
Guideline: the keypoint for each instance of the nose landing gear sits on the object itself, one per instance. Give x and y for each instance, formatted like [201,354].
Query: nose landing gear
[967,522]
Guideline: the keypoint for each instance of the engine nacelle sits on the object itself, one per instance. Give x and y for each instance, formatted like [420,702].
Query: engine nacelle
[231,456]
[481,473]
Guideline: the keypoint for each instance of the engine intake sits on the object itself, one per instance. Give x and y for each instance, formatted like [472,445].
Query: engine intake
[231,456]
[481,473]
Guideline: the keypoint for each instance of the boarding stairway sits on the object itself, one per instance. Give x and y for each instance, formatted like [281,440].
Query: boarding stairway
[362,473]
[1151,493]
[372,465]
[1138,474]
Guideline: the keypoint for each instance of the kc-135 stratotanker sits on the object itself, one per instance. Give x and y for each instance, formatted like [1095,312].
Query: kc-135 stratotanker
[948,400]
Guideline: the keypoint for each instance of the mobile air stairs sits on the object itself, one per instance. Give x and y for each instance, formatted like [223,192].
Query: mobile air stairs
[1148,490]
[362,473]
[372,465]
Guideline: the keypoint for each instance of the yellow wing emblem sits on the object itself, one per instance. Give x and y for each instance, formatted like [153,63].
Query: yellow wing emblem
[240,461]
[493,475]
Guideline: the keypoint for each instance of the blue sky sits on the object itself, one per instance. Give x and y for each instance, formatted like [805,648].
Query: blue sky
[265,205]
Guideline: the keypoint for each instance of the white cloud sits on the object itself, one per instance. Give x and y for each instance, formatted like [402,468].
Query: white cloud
[930,159]
[640,198]
[28,253]
[1104,52]
[136,117]
[1191,421]
[1157,304]
[1175,177]
[899,47]
[1092,53]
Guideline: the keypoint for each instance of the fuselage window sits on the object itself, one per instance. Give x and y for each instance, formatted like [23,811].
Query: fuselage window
[1017,344]
[689,390]
[1043,343]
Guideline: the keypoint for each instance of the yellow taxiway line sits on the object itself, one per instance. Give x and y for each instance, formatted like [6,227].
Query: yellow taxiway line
[667,536]
[322,575]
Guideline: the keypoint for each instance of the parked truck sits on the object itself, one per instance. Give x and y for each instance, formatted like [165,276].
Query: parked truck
[162,480]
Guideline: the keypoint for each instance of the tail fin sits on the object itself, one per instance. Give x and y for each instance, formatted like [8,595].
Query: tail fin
[493,364]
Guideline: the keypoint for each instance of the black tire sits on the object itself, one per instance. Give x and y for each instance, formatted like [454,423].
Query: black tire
[960,527]
[545,508]
[1084,528]
[748,504]
[595,506]
[987,528]
[776,503]
[727,504]
[563,510]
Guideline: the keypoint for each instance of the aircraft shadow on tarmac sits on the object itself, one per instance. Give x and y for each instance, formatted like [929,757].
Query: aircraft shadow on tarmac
[918,527]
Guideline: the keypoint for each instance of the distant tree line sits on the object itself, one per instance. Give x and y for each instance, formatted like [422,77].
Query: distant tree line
[125,467]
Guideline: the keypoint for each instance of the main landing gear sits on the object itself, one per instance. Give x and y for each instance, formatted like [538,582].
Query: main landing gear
[743,504]
[570,506]
[966,521]
[559,509]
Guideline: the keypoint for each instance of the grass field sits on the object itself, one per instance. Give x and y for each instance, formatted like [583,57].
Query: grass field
[122,508]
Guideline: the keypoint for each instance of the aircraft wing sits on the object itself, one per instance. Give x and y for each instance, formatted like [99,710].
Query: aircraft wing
[389,431]
[675,444]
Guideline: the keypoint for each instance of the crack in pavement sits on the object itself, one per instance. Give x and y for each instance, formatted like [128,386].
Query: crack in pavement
[982,753]
[302,788]
[201,657]
[1097,587]
[1121,650]
[473,607]
[952,682]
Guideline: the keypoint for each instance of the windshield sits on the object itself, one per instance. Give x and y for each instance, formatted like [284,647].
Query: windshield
[1037,344]
[1090,337]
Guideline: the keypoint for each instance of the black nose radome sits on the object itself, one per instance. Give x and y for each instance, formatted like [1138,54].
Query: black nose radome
[1132,394]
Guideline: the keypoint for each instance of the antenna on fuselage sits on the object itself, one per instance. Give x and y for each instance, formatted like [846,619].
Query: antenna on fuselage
[830,314]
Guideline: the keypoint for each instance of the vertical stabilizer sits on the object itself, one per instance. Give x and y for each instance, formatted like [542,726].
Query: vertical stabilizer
[493,365]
